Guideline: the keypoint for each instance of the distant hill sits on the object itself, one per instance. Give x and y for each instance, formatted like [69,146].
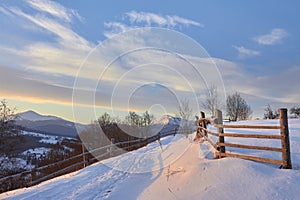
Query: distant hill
[166,124]
[33,116]
[52,125]
[167,120]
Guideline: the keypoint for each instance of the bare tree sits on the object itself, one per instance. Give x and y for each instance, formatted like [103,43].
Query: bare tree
[7,120]
[147,118]
[133,119]
[185,113]
[212,102]
[237,108]
[296,111]
[270,114]
[184,110]
[104,119]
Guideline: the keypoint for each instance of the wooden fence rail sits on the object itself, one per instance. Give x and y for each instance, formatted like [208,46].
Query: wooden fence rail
[249,127]
[257,136]
[221,145]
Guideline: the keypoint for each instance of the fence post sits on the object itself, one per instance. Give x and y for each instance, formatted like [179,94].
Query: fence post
[83,154]
[111,148]
[203,123]
[221,139]
[285,140]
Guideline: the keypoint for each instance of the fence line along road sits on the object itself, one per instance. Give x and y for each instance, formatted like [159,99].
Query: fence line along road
[80,160]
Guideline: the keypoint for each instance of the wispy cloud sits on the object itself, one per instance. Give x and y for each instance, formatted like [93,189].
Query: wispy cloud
[134,19]
[5,11]
[54,9]
[274,37]
[61,30]
[115,28]
[152,19]
[244,52]
[46,18]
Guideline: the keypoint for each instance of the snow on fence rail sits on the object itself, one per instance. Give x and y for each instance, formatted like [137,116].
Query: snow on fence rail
[79,161]
[220,145]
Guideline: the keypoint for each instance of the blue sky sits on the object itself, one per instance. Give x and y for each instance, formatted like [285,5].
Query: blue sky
[254,44]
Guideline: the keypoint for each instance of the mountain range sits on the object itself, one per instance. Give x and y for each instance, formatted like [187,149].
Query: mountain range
[51,125]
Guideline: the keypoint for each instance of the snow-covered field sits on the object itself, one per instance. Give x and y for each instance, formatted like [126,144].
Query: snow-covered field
[38,151]
[179,169]
[49,139]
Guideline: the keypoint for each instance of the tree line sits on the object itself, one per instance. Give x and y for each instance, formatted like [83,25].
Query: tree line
[237,108]
[271,113]
[133,119]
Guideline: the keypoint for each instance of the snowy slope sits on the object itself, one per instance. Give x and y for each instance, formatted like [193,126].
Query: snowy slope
[183,170]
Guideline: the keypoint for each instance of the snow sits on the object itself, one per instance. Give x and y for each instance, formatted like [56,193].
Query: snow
[167,119]
[178,169]
[38,151]
[153,157]
[49,139]
[294,129]
[68,148]
[9,164]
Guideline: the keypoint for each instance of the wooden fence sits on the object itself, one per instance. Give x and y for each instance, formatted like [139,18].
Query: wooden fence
[37,175]
[221,145]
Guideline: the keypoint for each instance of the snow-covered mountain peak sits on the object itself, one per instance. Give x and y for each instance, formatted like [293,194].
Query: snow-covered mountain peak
[167,119]
[33,116]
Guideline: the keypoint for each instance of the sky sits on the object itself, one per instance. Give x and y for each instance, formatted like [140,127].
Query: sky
[78,59]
